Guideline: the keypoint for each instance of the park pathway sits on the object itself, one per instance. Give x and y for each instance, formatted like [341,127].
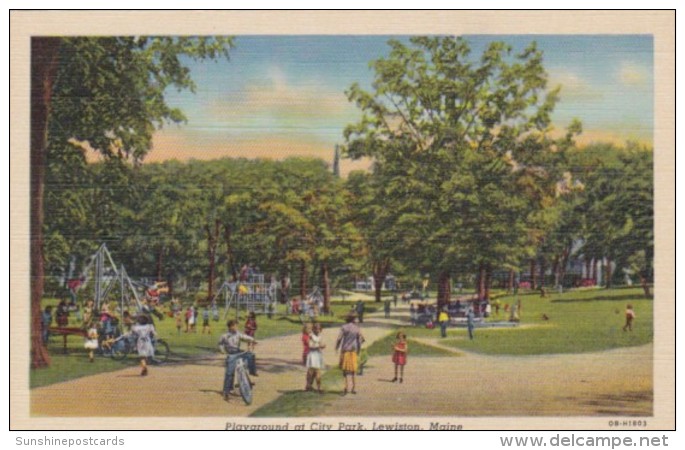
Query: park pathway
[190,388]
[614,382]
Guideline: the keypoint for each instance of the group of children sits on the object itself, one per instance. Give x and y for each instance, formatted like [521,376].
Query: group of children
[353,356]
[99,333]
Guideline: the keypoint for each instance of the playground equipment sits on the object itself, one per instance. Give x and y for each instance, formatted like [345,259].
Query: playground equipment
[253,295]
[103,275]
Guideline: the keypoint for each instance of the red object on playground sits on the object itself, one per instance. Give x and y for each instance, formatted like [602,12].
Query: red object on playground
[74,284]
[587,282]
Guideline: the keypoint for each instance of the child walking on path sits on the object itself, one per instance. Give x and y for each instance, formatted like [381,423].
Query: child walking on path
[399,356]
[144,332]
[315,359]
[630,316]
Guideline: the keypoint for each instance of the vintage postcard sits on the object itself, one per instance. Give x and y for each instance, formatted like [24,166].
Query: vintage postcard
[448,220]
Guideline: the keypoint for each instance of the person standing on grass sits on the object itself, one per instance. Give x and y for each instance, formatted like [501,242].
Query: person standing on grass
[91,343]
[192,320]
[630,316]
[315,359]
[144,332]
[443,320]
[386,308]
[349,344]
[205,321]
[359,309]
[470,322]
[46,321]
[399,355]
[179,322]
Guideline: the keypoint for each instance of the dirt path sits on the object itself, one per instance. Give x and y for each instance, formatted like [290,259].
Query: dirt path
[611,382]
[191,388]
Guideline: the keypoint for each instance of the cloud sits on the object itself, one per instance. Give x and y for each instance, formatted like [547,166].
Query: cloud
[279,103]
[633,75]
[573,86]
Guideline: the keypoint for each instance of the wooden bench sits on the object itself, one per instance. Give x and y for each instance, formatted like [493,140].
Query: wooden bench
[67,331]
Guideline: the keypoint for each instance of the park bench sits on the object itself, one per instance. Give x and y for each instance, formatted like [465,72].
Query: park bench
[66,332]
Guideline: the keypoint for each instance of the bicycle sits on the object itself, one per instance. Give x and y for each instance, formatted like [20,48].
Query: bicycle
[119,348]
[241,378]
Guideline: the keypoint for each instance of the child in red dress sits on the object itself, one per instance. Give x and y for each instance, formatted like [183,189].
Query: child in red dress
[251,324]
[399,356]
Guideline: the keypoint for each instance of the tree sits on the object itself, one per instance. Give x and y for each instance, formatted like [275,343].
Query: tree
[459,143]
[616,207]
[101,93]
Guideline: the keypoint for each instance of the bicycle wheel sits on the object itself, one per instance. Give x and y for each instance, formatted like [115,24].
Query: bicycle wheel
[161,352]
[244,385]
[120,349]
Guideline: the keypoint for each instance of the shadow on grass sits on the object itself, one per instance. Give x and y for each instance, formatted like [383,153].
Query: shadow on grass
[616,298]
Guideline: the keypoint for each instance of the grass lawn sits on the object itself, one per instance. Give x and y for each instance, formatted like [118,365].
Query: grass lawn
[579,321]
[75,363]
[384,346]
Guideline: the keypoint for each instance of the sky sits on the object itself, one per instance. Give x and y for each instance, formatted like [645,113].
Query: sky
[279,96]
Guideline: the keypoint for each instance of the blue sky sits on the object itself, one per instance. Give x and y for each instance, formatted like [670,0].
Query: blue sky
[285,95]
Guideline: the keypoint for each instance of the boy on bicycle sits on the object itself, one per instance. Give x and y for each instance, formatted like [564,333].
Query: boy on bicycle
[230,345]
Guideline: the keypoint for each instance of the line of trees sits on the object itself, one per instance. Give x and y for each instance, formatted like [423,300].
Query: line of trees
[467,179]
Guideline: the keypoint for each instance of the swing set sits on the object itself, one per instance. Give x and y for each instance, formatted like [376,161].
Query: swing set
[103,276]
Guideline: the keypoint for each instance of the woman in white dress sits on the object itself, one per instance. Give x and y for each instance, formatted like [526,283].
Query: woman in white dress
[144,331]
[315,358]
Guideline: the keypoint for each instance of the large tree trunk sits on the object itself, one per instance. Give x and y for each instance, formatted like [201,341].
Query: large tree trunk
[608,273]
[170,285]
[44,57]
[645,285]
[212,243]
[588,264]
[488,281]
[303,279]
[380,271]
[284,287]
[443,288]
[510,283]
[533,274]
[481,281]
[594,270]
[160,259]
[555,270]
[326,283]
[543,269]
[229,252]
[563,264]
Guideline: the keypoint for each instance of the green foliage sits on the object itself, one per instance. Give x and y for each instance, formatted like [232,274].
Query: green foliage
[464,171]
